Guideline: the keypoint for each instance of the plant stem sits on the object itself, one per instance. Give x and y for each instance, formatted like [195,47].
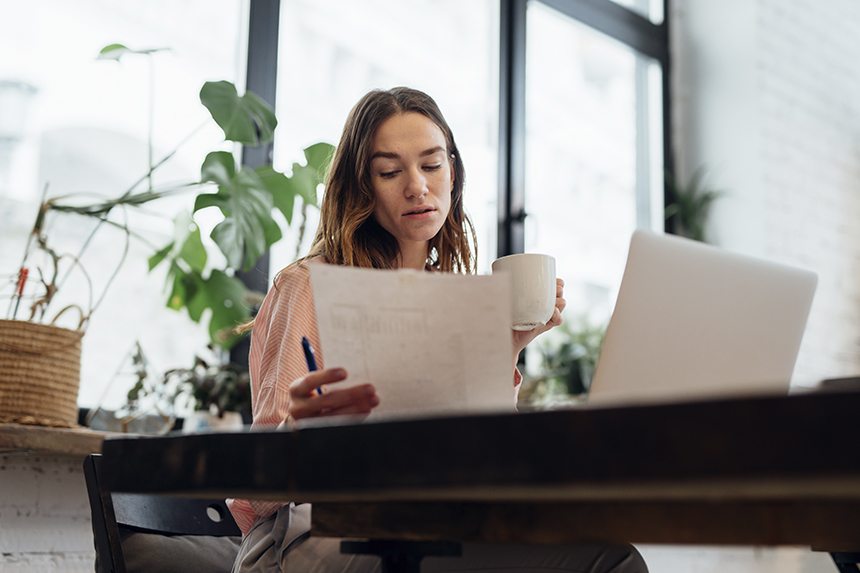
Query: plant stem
[36,225]
[151,115]
[135,200]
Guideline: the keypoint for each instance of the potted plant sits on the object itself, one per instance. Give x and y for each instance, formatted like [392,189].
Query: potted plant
[568,357]
[690,204]
[210,393]
[247,199]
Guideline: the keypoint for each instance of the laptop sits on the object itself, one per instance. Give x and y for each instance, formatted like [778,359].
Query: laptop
[693,322]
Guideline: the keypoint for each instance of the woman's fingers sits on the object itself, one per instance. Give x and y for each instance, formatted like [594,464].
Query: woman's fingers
[354,400]
[560,303]
[350,410]
[306,401]
[314,380]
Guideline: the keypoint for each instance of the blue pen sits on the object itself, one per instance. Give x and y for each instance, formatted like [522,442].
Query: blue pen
[312,362]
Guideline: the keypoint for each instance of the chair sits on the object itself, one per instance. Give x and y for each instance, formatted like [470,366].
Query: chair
[846,562]
[153,532]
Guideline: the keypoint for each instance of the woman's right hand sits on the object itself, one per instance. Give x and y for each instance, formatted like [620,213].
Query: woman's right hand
[305,402]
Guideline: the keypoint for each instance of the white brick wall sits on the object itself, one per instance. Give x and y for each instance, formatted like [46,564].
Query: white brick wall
[767,96]
[809,97]
[44,515]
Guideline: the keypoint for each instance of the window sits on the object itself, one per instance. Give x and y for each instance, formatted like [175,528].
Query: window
[583,139]
[332,52]
[557,106]
[651,9]
[593,162]
[85,131]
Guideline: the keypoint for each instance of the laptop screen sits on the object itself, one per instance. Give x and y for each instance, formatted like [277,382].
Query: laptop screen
[693,321]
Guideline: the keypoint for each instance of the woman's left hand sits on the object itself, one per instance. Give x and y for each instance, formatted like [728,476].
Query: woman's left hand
[521,338]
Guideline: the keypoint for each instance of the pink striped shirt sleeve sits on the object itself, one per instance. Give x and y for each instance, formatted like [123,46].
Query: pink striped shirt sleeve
[276,360]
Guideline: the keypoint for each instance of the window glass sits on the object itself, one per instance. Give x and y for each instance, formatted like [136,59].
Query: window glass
[75,125]
[651,9]
[334,51]
[593,159]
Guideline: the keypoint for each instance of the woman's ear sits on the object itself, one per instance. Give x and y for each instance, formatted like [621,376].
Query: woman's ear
[453,173]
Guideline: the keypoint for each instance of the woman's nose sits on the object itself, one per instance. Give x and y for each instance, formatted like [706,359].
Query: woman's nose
[416,184]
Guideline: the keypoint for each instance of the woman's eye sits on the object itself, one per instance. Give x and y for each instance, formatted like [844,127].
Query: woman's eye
[388,174]
[432,167]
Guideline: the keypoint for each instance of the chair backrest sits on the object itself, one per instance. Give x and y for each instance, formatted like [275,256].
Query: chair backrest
[116,513]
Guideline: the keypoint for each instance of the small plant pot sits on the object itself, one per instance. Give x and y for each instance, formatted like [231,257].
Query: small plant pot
[208,422]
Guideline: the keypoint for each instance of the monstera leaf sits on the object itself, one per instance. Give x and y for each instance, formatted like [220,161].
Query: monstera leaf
[225,297]
[222,294]
[304,181]
[187,245]
[245,119]
[248,228]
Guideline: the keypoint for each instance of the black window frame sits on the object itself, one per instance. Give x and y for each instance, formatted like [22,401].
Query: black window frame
[261,77]
[610,18]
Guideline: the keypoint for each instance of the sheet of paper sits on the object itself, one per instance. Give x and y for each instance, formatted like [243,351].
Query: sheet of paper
[429,342]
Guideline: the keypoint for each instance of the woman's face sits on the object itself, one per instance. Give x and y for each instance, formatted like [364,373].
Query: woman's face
[412,176]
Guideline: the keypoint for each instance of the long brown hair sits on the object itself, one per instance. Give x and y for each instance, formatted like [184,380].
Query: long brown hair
[348,234]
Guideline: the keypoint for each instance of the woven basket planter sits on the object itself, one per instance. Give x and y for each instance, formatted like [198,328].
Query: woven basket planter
[40,371]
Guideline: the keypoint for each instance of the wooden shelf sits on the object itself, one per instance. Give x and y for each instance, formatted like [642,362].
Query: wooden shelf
[41,440]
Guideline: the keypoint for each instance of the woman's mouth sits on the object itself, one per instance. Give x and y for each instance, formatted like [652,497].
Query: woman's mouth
[418,212]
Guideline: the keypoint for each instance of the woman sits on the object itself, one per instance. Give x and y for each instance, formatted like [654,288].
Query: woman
[393,199]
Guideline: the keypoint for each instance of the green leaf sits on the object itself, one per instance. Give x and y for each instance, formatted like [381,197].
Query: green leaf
[690,204]
[319,156]
[116,51]
[281,188]
[193,252]
[271,232]
[113,52]
[156,259]
[187,245]
[246,119]
[199,302]
[248,228]
[308,177]
[211,200]
[218,167]
[305,180]
[226,233]
[224,295]
[178,294]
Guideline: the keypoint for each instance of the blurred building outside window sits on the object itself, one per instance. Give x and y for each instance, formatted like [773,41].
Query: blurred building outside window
[332,52]
[86,133]
[593,171]
[594,164]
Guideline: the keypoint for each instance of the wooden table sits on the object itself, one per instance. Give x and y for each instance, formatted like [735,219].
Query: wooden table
[757,471]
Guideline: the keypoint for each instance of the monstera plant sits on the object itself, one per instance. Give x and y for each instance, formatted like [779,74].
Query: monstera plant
[247,198]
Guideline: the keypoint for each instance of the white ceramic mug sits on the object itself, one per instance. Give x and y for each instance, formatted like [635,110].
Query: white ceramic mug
[532,288]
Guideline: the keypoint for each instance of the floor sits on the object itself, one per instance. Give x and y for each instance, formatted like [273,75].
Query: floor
[683,559]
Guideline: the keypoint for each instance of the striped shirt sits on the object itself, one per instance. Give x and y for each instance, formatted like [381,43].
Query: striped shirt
[276,359]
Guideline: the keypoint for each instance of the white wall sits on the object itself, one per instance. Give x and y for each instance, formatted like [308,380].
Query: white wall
[767,98]
[45,520]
